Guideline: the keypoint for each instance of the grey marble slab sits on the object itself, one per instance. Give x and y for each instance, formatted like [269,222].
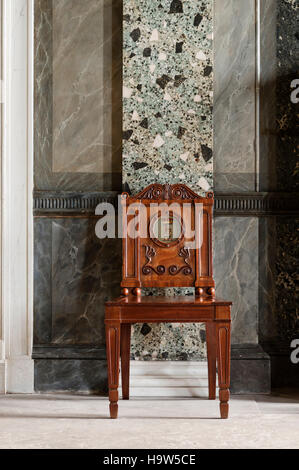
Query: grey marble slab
[267,275]
[42,332]
[75,273]
[70,375]
[234,95]
[236,273]
[267,95]
[77,95]
[250,370]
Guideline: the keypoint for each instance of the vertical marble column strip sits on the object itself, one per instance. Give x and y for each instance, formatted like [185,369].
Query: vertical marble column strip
[167,121]
[257,90]
[168,93]
[268,72]
[234,95]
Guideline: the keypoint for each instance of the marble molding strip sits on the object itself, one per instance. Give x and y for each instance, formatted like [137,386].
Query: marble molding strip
[70,202]
[244,204]
[256,204]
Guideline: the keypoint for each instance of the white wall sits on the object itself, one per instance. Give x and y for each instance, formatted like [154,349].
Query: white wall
[16,371]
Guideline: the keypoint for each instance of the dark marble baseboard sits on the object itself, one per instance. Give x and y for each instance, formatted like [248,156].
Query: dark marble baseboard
[226,204]
[71,375]
[81,369]
[283,372]
[250,369]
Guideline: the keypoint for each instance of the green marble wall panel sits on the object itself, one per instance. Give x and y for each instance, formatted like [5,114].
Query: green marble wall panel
[167,93]
[167,127]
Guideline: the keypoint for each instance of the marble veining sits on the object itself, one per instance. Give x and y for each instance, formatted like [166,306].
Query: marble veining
[64,375]
[267,278]
[77,95]
[75,274]
[267,95]
[167,93]
[234,95]
[81,100]
[236,273]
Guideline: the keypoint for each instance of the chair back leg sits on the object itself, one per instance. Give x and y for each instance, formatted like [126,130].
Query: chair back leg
[211,356]
[125,343]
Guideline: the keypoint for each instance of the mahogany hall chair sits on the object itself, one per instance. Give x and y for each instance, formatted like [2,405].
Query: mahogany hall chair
[161,255]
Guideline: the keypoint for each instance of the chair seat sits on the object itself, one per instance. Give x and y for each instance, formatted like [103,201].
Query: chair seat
[159,309]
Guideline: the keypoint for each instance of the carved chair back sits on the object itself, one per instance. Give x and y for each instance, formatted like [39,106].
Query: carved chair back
[167,239]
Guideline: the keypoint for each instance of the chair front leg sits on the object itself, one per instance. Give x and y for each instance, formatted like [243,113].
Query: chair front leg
[223,357]
[113,354]
[125,343]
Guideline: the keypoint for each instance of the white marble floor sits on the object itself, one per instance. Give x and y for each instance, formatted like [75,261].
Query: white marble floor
[59,421]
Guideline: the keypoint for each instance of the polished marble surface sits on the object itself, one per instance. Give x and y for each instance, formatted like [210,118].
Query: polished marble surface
[236,273]
[77,96]
[267,95]
[81,95]
[71,375]
[75,274]
[234,95]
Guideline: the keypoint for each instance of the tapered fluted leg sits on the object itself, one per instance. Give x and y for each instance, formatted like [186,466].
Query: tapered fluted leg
[113,353]
[125,343]
[212,354]
[223,357]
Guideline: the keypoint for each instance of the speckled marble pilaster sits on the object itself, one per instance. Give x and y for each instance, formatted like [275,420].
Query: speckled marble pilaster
[167,122]
[168,93]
